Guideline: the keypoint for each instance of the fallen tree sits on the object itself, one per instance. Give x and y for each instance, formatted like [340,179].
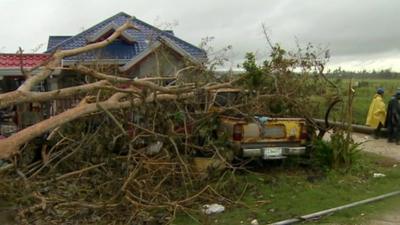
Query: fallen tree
[142,182]
[141,91]
[125,155]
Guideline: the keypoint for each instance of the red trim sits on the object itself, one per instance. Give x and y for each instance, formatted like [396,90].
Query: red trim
[14,60]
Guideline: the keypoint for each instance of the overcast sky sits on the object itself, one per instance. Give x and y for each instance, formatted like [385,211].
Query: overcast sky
[361,34]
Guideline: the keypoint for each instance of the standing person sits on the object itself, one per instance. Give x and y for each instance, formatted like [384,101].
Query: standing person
[377,112]
[393,118]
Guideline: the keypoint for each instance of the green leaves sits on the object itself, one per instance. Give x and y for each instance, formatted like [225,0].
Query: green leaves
[179,116]
[254,77]
[337,153]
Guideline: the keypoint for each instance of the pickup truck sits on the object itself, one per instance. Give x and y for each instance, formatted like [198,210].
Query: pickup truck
[260,136]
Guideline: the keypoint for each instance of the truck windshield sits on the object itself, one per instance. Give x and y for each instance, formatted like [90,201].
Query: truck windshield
[226,99]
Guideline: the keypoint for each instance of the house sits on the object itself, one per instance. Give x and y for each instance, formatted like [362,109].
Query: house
[11,77]
[135,52]
[140,52]
[10,68]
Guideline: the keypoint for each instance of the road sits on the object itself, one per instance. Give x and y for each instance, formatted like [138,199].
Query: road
[379,146]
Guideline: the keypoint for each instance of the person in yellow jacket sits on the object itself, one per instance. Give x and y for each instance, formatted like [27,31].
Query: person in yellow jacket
[377,112]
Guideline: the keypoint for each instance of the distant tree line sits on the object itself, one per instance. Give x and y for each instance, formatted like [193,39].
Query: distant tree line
[381,74]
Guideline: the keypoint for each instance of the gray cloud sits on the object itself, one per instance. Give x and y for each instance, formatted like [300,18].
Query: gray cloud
[355,31]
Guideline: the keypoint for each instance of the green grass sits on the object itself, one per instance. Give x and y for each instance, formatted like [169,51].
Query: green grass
[360,214]
[364,94]
[362,99]
[284,193]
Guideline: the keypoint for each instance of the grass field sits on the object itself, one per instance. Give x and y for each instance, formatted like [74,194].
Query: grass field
[364,93]
[282,193]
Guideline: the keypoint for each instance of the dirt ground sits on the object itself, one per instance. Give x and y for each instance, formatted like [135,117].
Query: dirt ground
[379,146]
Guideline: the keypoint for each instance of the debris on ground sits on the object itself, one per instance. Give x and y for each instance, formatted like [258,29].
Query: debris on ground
[254,222]
[213,209]
[154,148]
[378,175]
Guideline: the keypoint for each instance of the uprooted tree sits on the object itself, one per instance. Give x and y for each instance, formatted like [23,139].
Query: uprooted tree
[124,154]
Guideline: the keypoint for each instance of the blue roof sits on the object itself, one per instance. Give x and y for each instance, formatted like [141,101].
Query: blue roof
[55,40]
[119,49]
